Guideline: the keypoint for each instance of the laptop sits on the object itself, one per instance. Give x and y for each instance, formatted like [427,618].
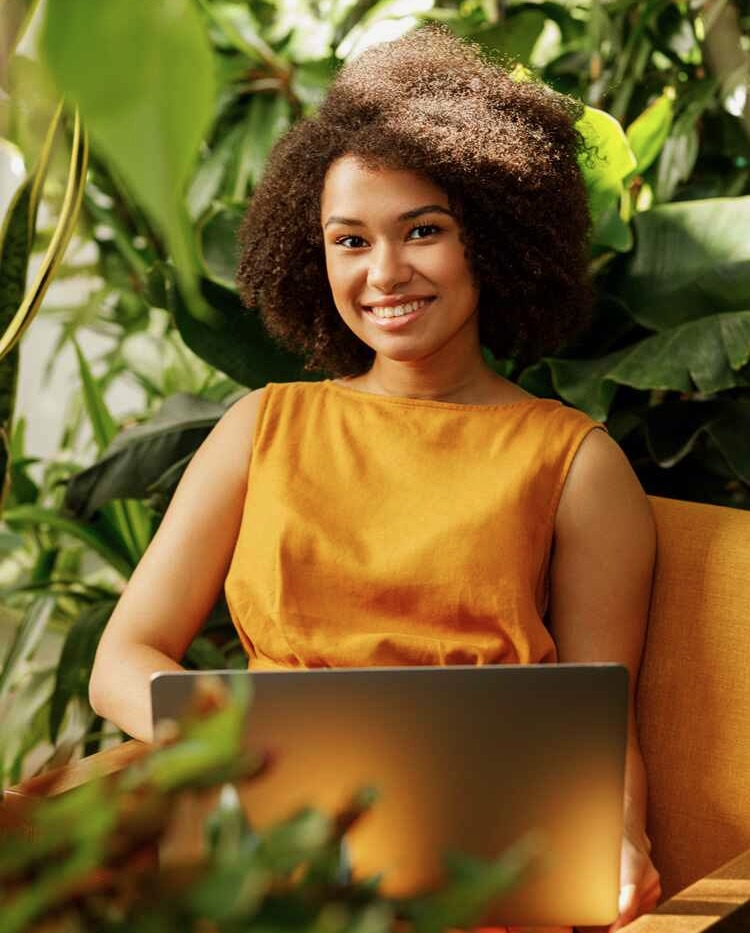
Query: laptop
[465,760]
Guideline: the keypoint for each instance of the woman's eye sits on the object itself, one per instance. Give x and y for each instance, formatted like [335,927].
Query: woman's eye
[430,228]
[340,241]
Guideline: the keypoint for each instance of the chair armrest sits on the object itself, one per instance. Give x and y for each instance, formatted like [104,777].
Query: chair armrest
[702,904]
[59,780]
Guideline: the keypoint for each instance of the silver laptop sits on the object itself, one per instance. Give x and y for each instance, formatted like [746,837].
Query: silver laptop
[466,760]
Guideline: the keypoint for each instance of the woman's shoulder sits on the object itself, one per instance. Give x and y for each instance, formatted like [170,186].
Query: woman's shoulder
[228,447]
[602,489]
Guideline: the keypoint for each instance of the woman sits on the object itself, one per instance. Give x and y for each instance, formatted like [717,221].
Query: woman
[416,507]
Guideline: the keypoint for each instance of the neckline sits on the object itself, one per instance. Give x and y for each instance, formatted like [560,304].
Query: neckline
[431,402]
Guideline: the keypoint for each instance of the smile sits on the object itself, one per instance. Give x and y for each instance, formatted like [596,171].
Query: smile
[398,315]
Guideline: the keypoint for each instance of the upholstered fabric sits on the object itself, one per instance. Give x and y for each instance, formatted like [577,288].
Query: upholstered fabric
[694,691]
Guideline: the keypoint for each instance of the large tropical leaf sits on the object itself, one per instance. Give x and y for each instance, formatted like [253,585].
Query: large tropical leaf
[674,428]
[708,354]
[137,458]
[143,77]
[586,383]
[692,259]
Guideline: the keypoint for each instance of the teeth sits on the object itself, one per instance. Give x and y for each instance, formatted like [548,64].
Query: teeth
[398,310]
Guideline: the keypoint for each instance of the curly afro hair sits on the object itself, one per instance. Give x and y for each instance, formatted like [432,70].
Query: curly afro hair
[505,153]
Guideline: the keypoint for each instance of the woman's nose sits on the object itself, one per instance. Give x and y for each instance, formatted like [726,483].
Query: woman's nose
[388,268]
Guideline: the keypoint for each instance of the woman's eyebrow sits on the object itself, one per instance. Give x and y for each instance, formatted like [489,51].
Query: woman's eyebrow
[408,215]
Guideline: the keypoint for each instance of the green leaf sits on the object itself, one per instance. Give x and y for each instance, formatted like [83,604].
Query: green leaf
[730,431]
[586,383]
[217,237]
[692,259]
[648,132]
[239,345]
[707,353]
[102,423]
[208,180]
[268,118]
[204,655]
[143,77]
[609,161]
[76,660]
[676,161]
[15,246]
[674,427]
[33,515]
[515,36]
[129,517]
[26,640]
[611,231]
[138,457]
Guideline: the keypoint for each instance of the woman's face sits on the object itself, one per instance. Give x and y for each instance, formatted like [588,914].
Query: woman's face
[390,238]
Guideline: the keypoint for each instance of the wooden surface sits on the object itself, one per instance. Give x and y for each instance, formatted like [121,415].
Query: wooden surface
[701,905]
[76,773]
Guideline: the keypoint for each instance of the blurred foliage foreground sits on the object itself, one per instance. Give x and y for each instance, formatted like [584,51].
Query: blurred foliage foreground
[182,102]
[85,860]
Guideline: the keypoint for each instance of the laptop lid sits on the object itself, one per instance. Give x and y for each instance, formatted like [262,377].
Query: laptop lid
[465,759]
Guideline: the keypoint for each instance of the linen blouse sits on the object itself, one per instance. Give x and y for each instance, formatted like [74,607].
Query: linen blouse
[388,531]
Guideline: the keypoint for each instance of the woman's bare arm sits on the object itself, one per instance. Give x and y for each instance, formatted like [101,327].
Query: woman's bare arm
[600,587]
[180,576]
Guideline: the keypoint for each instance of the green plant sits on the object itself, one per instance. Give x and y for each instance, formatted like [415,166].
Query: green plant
[84,861]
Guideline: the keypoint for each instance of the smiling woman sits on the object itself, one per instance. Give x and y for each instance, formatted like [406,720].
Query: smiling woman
[495,158]
[416,508]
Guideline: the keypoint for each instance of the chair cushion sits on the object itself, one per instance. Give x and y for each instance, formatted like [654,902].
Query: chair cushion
[693,700]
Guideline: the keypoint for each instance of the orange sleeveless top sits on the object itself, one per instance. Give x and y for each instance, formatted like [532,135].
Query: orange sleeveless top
[386,531]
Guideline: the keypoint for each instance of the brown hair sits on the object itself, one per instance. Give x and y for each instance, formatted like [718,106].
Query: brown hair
[504,152]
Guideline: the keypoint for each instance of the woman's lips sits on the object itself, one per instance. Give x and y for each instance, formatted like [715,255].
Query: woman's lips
[395,323]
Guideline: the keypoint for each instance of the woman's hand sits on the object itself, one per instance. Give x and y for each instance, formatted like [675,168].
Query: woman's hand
[640,887]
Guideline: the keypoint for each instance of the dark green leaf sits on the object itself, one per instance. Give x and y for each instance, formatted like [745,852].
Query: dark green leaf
[140,456]
[15,247]
[585,383]
[204,655]
[76,661]
[707,353]
[239,346]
